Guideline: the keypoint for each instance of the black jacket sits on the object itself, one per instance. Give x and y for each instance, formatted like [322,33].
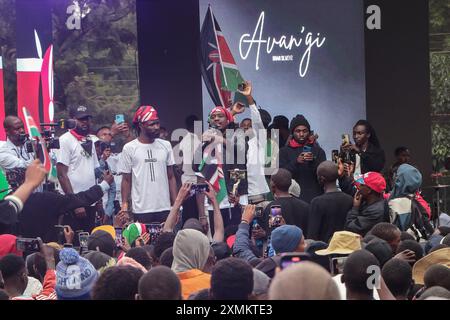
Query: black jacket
[304,174]
[373,159]
[41,211]
[361,220]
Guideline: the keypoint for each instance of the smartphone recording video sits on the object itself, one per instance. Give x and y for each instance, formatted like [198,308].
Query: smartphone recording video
[291,258]
[337,265]
[27,244]
[199,188]
[119,118]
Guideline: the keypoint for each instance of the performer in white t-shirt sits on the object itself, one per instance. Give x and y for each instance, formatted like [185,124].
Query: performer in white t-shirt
[146,165]
[76,163]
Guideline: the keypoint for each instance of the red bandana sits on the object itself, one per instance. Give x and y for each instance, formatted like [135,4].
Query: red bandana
[144,114]
[78,136]
[223,111]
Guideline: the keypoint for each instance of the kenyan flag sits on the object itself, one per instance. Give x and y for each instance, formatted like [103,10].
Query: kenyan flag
[34,132]
[219,70]
[211,168]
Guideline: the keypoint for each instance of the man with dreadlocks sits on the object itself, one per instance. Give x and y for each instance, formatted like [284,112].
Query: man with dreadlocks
[146,165]
[366,154]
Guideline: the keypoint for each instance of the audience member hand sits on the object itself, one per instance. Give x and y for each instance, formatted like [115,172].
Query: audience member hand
[258,233]
[121,219]
[108,177]
[407,255]
[184,193]
[357,199]
[143,239]
[341,169]
[124,129]
[68,234]
[211,194]
[308,156]
[349,169]
[249,213]
[80,212]
[125,246]
[301,158]
[35,173]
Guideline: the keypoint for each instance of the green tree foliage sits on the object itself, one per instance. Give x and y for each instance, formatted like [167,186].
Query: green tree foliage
[440,79]
[97,65]
[8,53]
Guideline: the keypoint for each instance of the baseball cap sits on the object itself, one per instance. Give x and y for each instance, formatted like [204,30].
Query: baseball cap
[373,180]
[80,112]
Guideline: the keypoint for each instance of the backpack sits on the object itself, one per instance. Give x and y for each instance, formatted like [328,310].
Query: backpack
[408,214]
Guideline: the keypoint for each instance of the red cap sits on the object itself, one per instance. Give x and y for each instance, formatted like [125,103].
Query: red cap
[8,245]
[373,180]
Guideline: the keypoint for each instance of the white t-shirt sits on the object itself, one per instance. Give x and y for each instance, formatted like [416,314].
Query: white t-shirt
[81,165]
[148,164]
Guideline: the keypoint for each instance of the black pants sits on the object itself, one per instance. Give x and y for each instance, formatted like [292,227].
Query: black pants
[85,224]
[230,216]
[151,217]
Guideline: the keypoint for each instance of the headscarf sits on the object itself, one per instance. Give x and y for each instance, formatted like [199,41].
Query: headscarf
[224,111]
[407,182]
[144,114]
[190,250]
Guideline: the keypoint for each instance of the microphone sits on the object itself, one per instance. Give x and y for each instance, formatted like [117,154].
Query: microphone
[62,123]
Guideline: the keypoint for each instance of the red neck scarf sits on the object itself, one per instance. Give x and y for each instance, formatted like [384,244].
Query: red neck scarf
[78,136]
[294,144]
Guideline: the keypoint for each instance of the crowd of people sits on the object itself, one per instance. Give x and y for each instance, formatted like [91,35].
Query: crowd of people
[254,211]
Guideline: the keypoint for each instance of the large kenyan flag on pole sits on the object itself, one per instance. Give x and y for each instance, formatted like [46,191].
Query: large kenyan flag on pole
[219,69]
[2,104]
[34,59]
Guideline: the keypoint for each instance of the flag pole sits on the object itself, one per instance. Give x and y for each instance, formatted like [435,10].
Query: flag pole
[218,45]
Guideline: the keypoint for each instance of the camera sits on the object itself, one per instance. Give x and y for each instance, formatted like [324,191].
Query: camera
[28,244]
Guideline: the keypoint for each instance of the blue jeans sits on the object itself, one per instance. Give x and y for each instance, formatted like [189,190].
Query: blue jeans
[109,206]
